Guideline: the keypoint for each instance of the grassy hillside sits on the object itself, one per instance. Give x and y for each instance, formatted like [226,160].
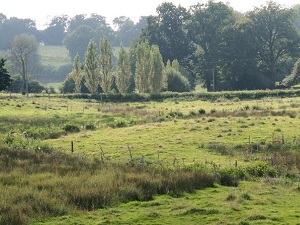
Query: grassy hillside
[54,56]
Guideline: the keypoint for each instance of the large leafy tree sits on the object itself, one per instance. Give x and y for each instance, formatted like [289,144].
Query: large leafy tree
[91,68]
[239,64]
[56,30]
[82,29]
[125,29]
[167,30]
[22,56]
[276,36]
[106,65]
[78,40]
[206,30]
[5,79]
[11,27]
[123,74]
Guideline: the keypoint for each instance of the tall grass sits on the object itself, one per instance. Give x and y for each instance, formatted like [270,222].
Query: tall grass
[38,184]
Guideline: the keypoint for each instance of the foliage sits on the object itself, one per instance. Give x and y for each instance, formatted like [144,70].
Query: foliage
[206,29]
[71,128]
[55,31]
[106,65]
[157,81]
[143,71]
[166,30]
[294,77]
[10,27]
[22,51]
[34,86]
[277,37]
[176,82]
[123,74]
[77,73]
[91,68]
[5,80]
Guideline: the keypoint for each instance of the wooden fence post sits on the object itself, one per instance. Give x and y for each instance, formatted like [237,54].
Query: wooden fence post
[72,146]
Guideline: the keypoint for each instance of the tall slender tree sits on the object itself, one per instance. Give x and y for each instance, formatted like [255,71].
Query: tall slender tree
[157,69]
[106,65]
[123,71]
[91,68]
[143,69]
[77,73]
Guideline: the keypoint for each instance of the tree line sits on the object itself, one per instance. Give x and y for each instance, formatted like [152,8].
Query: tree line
[227,50]
[97,73]
[67,30]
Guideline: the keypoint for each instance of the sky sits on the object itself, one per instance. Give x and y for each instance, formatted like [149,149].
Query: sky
[41,11]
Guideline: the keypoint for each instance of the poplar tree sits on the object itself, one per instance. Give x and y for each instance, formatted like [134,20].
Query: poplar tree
[175,65]
[91,68]
[106,65]
[123,71]
[157,69]
[77,73]
[143,70]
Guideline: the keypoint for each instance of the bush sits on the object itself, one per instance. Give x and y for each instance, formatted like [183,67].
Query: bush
[90,127]
[228,178]
[174,114]
[176,82]
[201,111]
[71,128]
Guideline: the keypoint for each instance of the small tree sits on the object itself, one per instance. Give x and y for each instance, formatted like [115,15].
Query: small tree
[21,52]
[91,68]
[123,71]
[106,68]
[5,79]
[77,73]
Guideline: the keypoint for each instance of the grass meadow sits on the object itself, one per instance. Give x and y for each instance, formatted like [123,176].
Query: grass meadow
[54,56]
[81,161]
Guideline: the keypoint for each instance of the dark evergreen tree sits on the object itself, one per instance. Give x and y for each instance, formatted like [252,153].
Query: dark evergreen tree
[5,79]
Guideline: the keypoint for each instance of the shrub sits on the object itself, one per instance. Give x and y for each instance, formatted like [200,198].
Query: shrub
[176,82]
[71,128]
[192,113]
[258,169]
[201,111]
[228,178]
[90,127]
[119,123]
[174,114]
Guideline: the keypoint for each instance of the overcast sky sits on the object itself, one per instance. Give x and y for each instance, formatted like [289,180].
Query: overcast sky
[41,11]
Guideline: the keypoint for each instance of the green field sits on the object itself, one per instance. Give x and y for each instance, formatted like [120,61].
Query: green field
[54,56]
[81,161]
